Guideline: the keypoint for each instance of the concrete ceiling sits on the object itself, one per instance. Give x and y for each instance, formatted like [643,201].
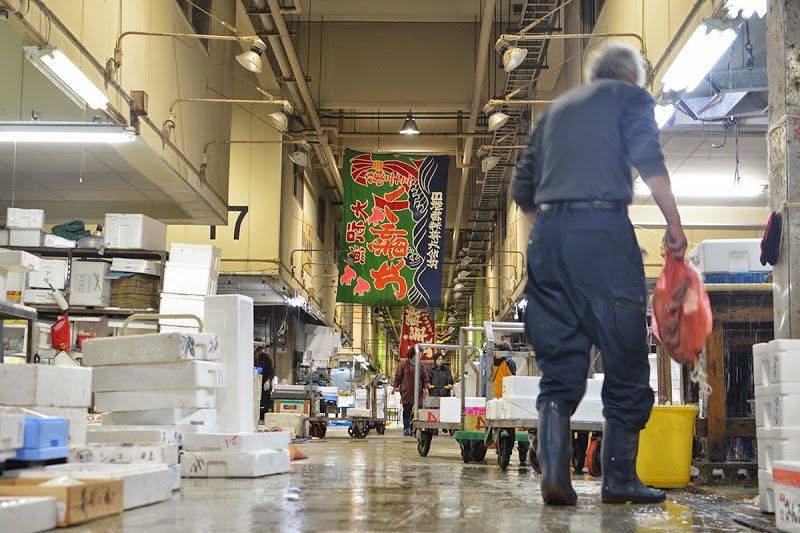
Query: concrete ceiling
[392,10]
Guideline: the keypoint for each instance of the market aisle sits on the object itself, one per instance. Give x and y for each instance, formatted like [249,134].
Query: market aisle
[382,484]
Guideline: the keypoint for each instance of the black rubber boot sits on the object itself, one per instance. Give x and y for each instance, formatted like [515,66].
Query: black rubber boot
[621,484]
[555,451]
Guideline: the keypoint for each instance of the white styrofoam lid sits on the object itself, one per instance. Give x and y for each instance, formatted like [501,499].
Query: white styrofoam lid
[778,433]
[793,466]
[784,344]
[761,348]
[781,389]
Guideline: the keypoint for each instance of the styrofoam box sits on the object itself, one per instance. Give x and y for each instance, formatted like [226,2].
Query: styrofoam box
[474,401]
[125,454]
[54,241]
[176,477]
[88,284]
[38,296]
[236,442]
[776,362]
[181,304]
[25,237]
[162,417]
[201,255]
[122,435]
[51,272]
[178,329]
[776,405]
[293,423]
[494,409]
[234,464]
[156,376]
[155,399]
[28,515]
[136,266]
[766,492]
[78,418]
[24,218]
[3,237]
[594,389]
[18,261]
[150,348]
[589,411]
[450,410]
[362,413]
[189,279]
[45,385]
[777,444]
[728,255]
[786,483]
[135,231]
[522,407]
[12,431]
[521,386]
[143,484]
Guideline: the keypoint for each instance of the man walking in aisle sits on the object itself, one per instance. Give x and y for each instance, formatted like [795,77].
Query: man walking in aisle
[586,282]
[404,382]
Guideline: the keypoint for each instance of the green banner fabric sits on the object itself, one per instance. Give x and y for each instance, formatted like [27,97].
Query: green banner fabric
[392,229]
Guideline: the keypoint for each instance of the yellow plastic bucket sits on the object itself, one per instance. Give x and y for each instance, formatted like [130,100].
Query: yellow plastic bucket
[665,446]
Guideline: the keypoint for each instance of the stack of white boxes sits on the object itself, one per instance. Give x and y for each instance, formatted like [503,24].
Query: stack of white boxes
[235,455]
[776,372]
[58,391]
[12,433]
[52,273]
[14,266]
[189,276]
[521,392]
[675,378]
[25,227]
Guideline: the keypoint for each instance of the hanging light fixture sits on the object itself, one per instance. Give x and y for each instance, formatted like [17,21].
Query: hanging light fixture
[497,120]
[698,56]
[34,132]
[746,8]
[300,156]
[513,56]
[281,118]
[663,114]
[251,59]
[58,68]
[488,161]
[410,126]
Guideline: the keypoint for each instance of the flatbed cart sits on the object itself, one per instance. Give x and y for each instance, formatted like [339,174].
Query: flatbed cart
[360,426]
[425,429]
[471,442]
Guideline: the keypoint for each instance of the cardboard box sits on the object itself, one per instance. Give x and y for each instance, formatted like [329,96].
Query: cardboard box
[26,237]
[78,418]
[49,386]
[38,297]
[88,284]
[54,241]
[134,291]
[181,304]
[143,483]
[199,255]
[156,376]
[134,231]
[132,435]
[51,272]
[136,266]
[76,504]
[234,464]
[189,279]
[18,261]
[17,218]
[155,399]
[28,514]
[296,406]
[159,417]
[125,454]
[236,442]
[150,348]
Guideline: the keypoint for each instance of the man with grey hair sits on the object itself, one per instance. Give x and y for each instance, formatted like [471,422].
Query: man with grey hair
[586,282]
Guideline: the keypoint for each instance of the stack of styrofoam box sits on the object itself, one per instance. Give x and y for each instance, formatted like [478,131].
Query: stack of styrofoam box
[519,397]
[15,263]
[293,424]
[321,343]
[235,455]
[728,256]
[25,226]
[189,276]
[675,377]
[590,408]
[776,373]
[54,391]
[29,514]
[450,410]
[159,379]
[134,231]
[52,273]
[380,395]
[12,433]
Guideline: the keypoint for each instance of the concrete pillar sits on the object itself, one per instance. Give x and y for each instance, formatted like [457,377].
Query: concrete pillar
[783,34]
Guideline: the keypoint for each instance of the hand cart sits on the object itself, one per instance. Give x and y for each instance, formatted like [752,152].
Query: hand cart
[360,426]
[425,429]
[472,441]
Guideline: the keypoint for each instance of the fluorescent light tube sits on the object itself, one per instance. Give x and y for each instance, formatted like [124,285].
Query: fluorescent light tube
[704,187]
[61,71]
[64,133]
[748,8]
[696,59]
[663,114]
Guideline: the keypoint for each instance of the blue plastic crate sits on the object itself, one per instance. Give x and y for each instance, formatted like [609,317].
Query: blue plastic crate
[712,278]
[42,454]
[46,433]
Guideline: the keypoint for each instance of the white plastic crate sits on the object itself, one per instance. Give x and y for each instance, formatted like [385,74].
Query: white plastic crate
[786,483]
[155,399]
[150,348]
[156,376]
[236,442]
[28,514]
[234,464]
[45,385]
[728,255]
[135,231]
[777,444]
[766,492]
[776,362]
[125,454]
[162,417]
[776,405]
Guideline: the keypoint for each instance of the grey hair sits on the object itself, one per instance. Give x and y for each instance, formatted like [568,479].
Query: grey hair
[617,61]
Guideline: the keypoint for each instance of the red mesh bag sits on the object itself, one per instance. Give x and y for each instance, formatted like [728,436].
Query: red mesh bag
[681,311]
[59,334]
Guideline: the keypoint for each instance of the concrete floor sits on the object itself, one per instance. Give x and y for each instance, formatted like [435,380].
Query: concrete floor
[382,484]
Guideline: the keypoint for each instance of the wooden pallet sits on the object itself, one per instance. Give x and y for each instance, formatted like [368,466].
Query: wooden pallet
[726,472]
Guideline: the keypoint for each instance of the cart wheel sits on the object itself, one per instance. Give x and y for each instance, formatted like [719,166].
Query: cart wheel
[593,458]
[533,459]
[315,431]
[351,431]
[364,432]
[380,428]
[580,443]
[424,438]
[452,432]
[466,451]
[324,429]
[523,452]
[478,451]
[505,445]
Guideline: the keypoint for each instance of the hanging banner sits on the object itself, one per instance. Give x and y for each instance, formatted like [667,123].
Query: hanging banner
[418,327]
[392,229]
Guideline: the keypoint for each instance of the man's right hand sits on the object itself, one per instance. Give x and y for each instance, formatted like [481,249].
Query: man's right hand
[676,241]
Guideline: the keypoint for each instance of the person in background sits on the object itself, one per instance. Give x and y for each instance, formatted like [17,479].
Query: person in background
[440,377]
[404,382]
[504,365]
[586,283]
[264,362]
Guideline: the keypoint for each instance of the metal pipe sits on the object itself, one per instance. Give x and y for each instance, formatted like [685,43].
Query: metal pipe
[226,101]
[495,102]
[561,36]
[378,135]
[302,85]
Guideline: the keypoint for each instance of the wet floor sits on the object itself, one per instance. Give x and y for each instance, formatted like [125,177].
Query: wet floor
[381,484]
